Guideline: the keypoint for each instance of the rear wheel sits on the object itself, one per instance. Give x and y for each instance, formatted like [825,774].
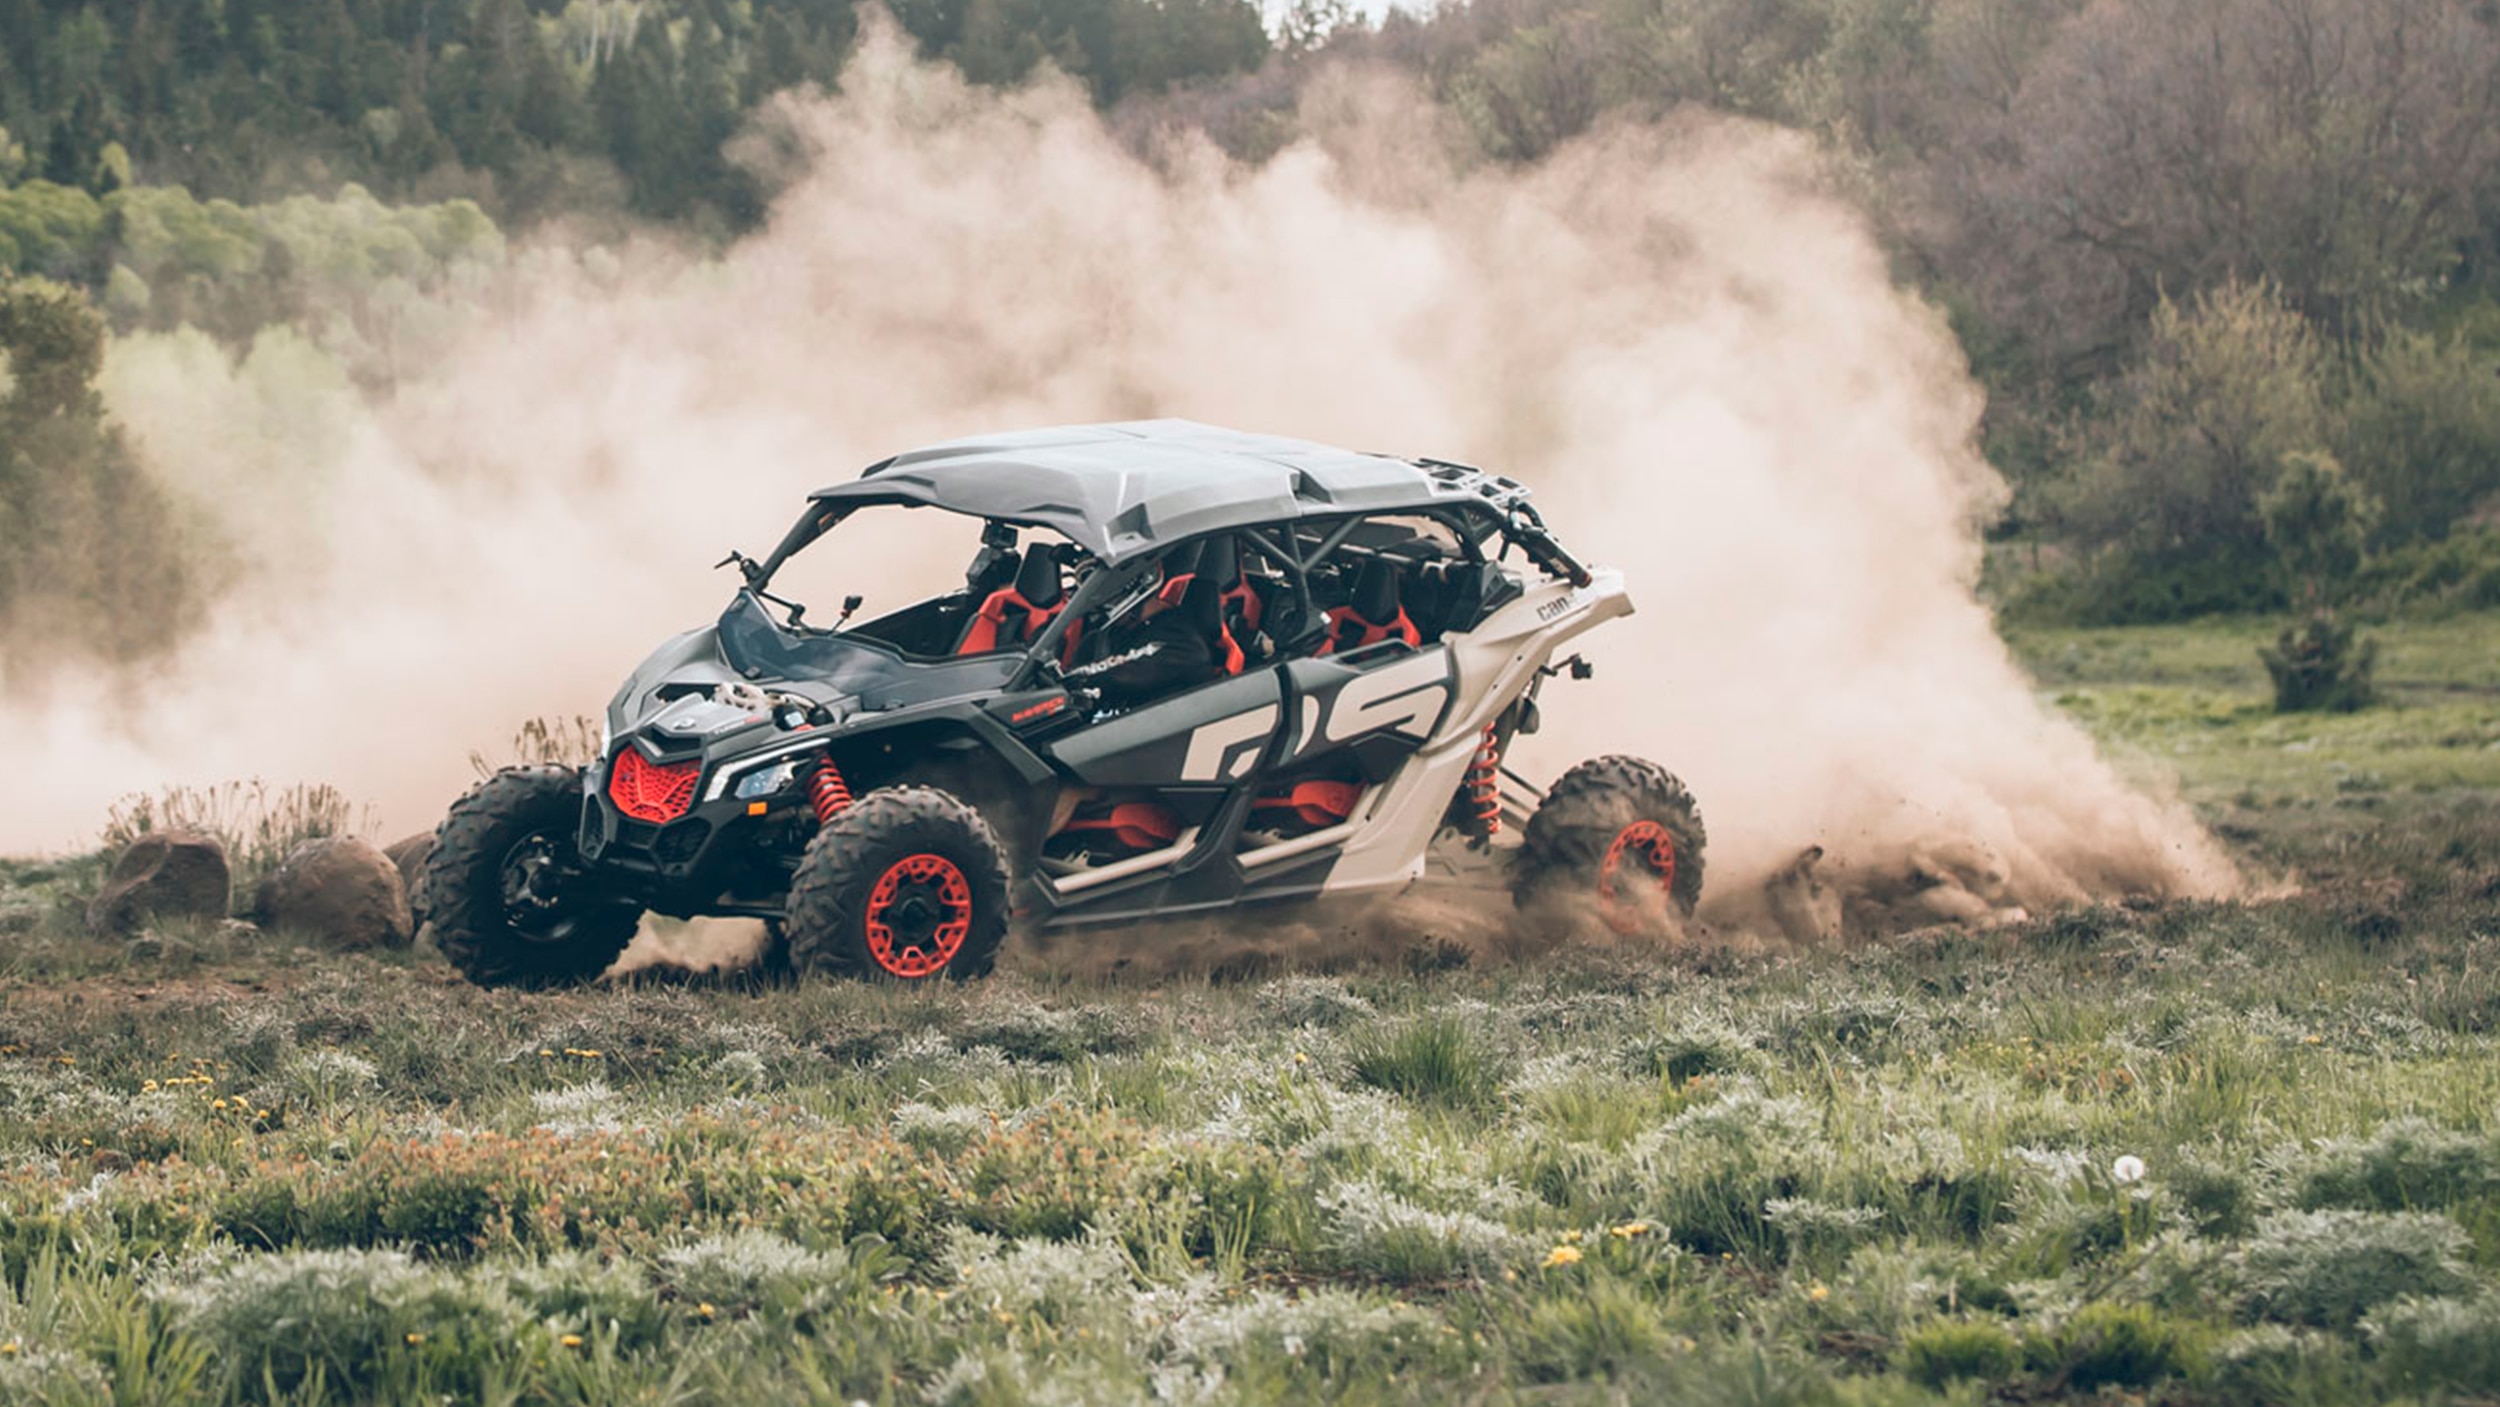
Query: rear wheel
[907,884]
[1619,834]
[506,891]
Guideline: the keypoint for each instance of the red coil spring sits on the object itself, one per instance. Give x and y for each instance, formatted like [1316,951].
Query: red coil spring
[828,791]
[1484,782]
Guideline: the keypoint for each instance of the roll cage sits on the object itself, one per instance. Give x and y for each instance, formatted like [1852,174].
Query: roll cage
[1487,526]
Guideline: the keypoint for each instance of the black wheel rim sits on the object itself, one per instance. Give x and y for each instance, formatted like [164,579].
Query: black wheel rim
[534,878]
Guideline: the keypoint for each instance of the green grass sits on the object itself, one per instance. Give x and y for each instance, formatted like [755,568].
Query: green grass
[235,1172]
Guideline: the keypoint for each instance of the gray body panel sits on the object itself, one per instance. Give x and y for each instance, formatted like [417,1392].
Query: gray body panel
[1123,490]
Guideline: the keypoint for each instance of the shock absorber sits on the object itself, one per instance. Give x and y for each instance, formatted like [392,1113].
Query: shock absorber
[1484,782]
[828,791]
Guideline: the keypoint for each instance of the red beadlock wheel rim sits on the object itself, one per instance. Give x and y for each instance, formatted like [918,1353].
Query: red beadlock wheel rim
[1647,848]
[918,915]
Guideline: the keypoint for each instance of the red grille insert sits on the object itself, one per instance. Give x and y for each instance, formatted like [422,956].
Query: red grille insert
[647,791]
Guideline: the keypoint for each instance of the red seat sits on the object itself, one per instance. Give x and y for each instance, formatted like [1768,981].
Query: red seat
[1012,615]
[1373,615]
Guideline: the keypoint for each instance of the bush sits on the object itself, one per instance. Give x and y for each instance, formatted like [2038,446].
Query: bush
[1594,1334]
[2329,1268]
[2422,431]
[2118,1345]
[1374,1231]
[2320,666]
[2428,1344]
[2409,1164]
[354,1326]
[1949,1350]
[755,1272]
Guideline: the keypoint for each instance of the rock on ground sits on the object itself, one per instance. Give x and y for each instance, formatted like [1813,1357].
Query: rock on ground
[410,855]
[175,874]
[341,890]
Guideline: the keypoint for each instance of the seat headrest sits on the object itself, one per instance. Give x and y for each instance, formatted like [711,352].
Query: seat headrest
[1037,580]
[1221,561]
[1182,561]
[1376,591]
[1201,605]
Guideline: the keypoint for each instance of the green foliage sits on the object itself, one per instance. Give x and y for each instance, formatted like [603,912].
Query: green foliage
[1440,1060]
[92,556]
[1947,1351]
[2421,431]
[2230,385]
[2118,1345]
[2321,665]
[2317,521]
[354,1326]
[2429,1345]
[2329,1268]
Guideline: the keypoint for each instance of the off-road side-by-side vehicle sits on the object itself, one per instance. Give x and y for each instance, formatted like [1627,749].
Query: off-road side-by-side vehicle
[1188,670]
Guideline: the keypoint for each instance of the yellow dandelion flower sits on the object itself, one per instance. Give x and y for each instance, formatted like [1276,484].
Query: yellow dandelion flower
[1571,1237]
[1818,1292]
[571,1341]
[1300,1058]
[546,1054]
[149,1087]
[9,1347]
[705,1309]
[217,1104]
[1630,1229]
[415,1339]
[1561,1255]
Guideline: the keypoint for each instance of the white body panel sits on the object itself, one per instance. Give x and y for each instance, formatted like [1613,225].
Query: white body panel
[1495,663]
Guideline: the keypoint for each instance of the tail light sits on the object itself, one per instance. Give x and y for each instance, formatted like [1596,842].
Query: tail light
[651,791]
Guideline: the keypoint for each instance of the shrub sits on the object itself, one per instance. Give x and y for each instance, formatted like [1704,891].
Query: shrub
[259,827]
[1374,1231]
[350,1326]
[576,1292]
[2328,1268]
[1949,1350]
[2409,1164]
[2118,1345]
[1436,1059]
[1598,1333]
[755,1272]
[2428,1344]
[2321,665]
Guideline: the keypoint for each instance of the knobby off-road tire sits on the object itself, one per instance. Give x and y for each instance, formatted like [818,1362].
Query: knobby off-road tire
[1613,834]
[907,884]
[496,916]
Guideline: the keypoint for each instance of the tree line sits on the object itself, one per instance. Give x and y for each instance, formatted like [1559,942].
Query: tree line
[2206,255]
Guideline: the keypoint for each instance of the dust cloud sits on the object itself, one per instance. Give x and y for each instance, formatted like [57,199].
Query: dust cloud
[1680,335]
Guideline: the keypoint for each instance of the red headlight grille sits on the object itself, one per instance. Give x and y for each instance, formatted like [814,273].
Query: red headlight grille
[649,791]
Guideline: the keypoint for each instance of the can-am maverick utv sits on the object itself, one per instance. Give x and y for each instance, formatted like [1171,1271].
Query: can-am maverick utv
[1246,669]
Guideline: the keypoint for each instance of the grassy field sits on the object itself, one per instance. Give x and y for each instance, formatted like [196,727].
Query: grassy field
[2202,1154]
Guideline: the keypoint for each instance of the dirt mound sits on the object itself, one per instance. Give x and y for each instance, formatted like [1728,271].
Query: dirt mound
[177,874]
[342,890]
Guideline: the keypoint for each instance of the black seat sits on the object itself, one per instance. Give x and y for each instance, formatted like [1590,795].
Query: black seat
[1220,563]
[1201,608]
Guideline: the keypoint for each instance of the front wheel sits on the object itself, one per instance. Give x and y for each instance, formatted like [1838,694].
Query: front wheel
[1619,834]
[907,884]
[505,889]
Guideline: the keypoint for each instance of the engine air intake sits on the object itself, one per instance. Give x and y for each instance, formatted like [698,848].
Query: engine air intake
[650,791]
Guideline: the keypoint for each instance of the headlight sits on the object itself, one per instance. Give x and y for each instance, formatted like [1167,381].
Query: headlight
[765,781]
